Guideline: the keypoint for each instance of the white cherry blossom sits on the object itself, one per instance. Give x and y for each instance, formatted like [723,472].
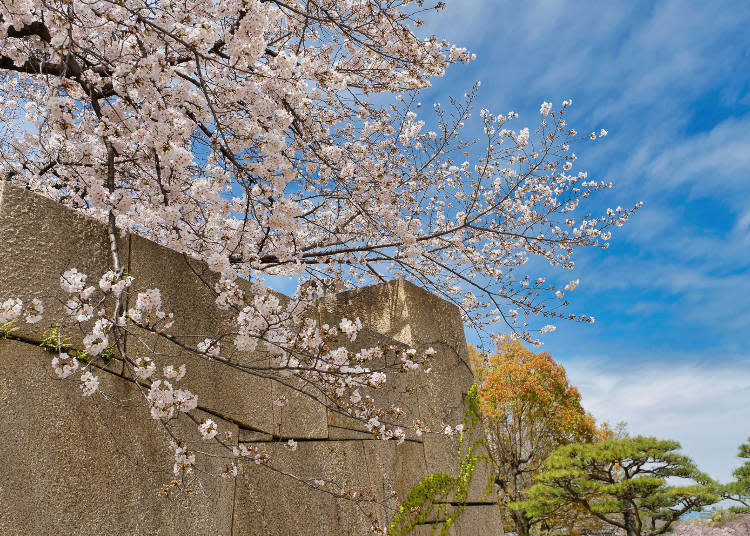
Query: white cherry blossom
[89,383]
[144,368]
[33,312]
[208,429]
[248,137]
[64,365]
[10,309]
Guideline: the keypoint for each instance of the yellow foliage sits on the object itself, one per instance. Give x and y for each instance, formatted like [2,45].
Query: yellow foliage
[528,409]
[523,388]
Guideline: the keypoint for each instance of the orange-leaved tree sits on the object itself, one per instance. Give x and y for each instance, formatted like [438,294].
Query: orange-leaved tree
[528,409]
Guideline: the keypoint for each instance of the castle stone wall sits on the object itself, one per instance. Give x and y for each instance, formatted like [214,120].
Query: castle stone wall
[88,466]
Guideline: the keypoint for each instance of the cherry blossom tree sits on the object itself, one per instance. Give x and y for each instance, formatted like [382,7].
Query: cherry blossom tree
[738,526]
[244,133]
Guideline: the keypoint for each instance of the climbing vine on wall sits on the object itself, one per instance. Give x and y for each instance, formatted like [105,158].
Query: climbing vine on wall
[439,499]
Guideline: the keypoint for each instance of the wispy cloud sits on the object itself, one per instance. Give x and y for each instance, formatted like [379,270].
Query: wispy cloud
[670,80]
[703,407]
[711,163]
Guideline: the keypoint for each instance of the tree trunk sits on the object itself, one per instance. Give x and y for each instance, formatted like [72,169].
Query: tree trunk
[631,527]
[523,526]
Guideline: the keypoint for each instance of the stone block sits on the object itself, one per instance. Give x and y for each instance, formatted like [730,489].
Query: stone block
[379,307]
[338,433]
[302,416]
[39,240]
[412,316]
[442,392]
[441,455]
[435,323]
[479,519]
[86,466]
[274,504]
[398,391]
[393,468]
[402,311]
[251,436]
[186,287]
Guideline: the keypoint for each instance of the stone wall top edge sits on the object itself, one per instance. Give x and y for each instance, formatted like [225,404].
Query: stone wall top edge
[36,197]
[9,190]
[409,286]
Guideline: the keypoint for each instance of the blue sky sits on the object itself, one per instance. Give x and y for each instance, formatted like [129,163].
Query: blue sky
[670,81]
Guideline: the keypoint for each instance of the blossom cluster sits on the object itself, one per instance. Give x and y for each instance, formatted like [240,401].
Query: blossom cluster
[165,400]
[12,308]
[738,526]
[244,135]
[278,189]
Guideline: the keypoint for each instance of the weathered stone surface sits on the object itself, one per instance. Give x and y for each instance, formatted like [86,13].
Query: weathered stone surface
[273,504]
[435,323]
[342,433]
[398,391]
[380,307]
[250,436]
[412,316]
[393,467]
[39,240]
[69,469]
[442,392]
[187,291]
[403,312]
[302,416]
[441,455]
[479,520]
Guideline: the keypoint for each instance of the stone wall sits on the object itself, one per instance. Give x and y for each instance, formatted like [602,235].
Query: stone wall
[88,466]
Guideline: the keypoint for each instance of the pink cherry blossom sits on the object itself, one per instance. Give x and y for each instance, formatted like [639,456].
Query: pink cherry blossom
[248,137]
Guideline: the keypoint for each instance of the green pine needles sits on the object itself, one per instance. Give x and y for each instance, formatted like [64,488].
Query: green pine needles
[739,490]
[641,485]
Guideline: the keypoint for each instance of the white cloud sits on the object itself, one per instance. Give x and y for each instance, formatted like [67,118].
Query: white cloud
[704,406]
[668,81]
[742,227]
[714,162]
